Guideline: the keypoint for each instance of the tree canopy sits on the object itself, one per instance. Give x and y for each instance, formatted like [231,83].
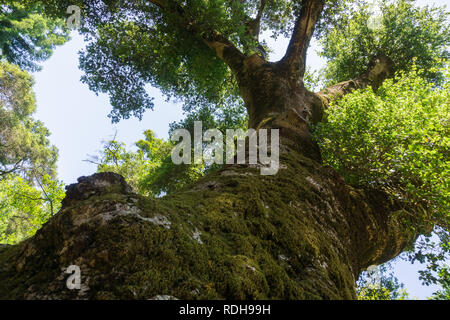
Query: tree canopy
[24,147]
[29,191]
[168,44]
[402,31]
[27,36]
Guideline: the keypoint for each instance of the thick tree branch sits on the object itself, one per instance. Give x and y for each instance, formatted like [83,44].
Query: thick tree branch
[225,50]
[379,69]
[295,58]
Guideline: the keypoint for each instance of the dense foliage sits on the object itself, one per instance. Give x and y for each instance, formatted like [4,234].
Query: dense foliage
[27,36]
[397,139]
[134,43]
[29,191]
[398,29]
[24,146]
[25,206]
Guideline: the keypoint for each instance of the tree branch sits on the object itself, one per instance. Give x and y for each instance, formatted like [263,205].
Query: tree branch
[158,3]
[47,197]
[92,161]
[254,28]
[295,58]
[254,25]
[15,167]
[262,6]
[379,69]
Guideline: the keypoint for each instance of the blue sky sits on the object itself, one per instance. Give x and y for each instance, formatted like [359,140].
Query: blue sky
[78,122]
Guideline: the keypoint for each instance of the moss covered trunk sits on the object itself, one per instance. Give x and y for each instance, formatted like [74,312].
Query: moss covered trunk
[300,234]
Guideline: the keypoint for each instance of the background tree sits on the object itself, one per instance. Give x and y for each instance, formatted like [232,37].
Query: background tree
[137,167]
[380,284]
[26,35]
[24,207]
[29,191]
[24,147]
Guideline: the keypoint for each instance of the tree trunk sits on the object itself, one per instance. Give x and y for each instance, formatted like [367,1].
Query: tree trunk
[300,234]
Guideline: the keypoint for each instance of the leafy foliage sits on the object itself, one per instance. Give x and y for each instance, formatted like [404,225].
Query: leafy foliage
[135,43]
[444,281]
[24,145]
[397,139]
[24,207]
[401,31]
[148,170]
[128,55]
[26,35]
[383,286]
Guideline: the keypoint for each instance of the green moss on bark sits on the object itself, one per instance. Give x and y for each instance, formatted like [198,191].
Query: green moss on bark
[233,235]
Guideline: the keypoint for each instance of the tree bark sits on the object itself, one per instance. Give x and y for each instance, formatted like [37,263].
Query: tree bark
[302,234]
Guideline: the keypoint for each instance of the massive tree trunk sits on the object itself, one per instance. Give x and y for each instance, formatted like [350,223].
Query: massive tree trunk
[300,234]
[236,234]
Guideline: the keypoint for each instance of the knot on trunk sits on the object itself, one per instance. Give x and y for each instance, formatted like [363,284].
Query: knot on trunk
[103,182]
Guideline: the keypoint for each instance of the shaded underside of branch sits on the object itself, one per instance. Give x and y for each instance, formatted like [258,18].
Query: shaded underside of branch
[379,69]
